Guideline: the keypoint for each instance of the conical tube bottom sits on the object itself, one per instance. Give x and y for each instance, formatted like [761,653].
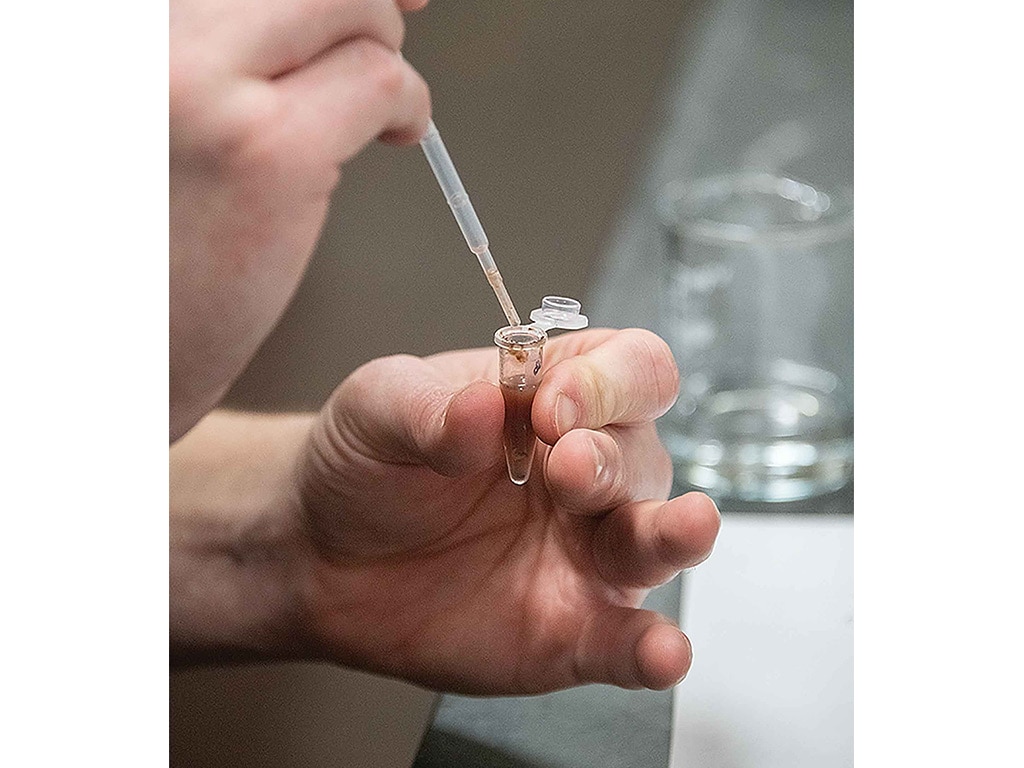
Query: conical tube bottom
[519,438]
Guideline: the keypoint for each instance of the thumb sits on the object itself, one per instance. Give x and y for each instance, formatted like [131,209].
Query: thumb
[399,410]
[632,648]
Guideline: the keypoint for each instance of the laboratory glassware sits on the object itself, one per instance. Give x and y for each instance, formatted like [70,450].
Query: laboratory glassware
[757,306]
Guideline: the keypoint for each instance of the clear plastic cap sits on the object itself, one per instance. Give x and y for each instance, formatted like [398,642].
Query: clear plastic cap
[558,312]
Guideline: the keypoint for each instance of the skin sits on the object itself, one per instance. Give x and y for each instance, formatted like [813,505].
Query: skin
[267,100]
[383,532]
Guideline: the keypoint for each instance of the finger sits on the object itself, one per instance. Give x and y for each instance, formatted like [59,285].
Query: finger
[632,648]
[646,543]
[479,363]
[484,362]
[397,410]
[592,471]
[351,95]
[629,378]
[279,37]
[576,343]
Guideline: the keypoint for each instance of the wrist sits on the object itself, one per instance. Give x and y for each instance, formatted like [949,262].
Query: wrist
[239,556]
[235,594]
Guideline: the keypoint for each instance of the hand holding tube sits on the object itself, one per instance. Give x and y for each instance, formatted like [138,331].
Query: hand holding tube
[474,584]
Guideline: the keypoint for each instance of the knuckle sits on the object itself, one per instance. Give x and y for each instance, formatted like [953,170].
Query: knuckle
[242,132]
[390,78]
[423,401]
[598,403]
[368,53]
[400,368]
[663,471]
[251,138]
[367,377]
[647,464]
[383,66]
[413,406]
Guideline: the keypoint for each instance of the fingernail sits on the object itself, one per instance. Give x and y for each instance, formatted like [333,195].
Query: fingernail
[600,462]
[566,413]
[689,648]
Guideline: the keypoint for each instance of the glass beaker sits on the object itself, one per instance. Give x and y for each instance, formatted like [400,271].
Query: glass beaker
[757,306]
[520,357]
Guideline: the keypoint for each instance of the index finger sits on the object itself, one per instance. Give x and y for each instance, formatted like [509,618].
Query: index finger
[630,377]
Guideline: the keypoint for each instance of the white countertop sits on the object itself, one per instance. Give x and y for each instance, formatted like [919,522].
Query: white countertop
[770,615]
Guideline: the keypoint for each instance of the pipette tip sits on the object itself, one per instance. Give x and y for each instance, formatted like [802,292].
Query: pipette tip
[494,278]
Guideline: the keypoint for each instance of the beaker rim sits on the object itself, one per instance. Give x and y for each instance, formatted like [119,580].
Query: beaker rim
[684,204]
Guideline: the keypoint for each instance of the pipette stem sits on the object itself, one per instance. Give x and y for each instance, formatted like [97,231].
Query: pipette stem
[455,193]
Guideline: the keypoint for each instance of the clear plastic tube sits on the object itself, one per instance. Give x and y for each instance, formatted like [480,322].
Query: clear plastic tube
[520,358]
[465,215]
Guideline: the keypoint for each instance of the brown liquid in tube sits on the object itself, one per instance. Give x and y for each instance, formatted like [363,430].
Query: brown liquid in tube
[519,439]
[520,359]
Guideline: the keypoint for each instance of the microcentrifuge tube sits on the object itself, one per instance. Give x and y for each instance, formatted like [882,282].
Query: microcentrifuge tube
[520,357]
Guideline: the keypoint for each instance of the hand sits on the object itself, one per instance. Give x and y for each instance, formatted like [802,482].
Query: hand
[267,99]
[430,565]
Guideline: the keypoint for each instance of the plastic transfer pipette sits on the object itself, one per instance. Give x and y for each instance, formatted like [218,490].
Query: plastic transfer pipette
[472,230]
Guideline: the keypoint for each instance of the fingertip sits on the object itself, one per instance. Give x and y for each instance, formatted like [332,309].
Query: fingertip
[663,657]
[407,136]
[711,516]
[692,530]
[411,128]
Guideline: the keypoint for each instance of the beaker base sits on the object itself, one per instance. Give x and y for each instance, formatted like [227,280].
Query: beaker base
[771,444]
[733,478]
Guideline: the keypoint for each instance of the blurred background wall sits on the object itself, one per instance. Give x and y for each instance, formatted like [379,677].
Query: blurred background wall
[546,108]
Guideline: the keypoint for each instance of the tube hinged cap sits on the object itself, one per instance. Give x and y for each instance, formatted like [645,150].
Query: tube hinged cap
[559,312]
